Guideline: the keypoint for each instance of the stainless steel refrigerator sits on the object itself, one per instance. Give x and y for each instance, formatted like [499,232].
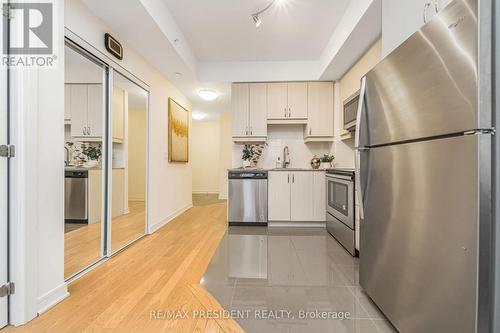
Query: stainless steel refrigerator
[424,141]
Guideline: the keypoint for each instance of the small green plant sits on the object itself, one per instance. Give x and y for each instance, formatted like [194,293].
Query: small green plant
[327,158]
[247,153]
[252,153]
[92,152]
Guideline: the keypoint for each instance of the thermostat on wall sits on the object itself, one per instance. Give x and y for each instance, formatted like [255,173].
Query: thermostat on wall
[113,46]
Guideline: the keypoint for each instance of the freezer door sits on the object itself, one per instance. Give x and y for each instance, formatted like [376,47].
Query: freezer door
[427,87]
[418,239]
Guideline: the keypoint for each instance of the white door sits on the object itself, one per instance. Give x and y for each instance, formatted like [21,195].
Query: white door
[78,105]
[94,110]
[301,201]
[279,196]
[3,190]
[297,100]
[320,109]
[239,109]
[258,109]
[277,101]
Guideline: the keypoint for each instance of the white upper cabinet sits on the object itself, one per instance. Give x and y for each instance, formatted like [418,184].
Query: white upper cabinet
[257,121]
[287,101]
[320,110]
[240,107]
[249,106]
[278,196]
[85,106]
[95,107]
[78,105]
[400,19]
[297,100]
[301,198]
[277,100]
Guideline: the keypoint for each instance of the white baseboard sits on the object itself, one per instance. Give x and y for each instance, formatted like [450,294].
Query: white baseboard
[172,216]
[205,192]
[48,300]
[297,224]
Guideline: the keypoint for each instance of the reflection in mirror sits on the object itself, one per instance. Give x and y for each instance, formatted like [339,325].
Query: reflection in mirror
[129,156]
[84,128]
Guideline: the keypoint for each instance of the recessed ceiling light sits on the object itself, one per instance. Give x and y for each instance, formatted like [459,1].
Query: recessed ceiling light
[199,115]
[208,95]
[178,74]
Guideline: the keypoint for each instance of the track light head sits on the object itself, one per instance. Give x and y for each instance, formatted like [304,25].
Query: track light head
[256,20]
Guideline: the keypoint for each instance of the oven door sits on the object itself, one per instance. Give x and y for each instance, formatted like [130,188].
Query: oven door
[340,198]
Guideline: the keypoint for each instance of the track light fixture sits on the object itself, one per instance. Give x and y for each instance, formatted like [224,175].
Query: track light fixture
[256,16]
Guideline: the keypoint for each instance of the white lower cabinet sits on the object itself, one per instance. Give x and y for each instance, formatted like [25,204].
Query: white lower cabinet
[278,196]
[301,196]
[297,196]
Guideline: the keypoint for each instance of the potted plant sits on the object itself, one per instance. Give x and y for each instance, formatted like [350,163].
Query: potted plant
[326,161]
[93,155]
[251,155]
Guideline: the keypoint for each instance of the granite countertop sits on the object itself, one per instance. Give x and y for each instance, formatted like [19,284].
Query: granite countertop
[273,169]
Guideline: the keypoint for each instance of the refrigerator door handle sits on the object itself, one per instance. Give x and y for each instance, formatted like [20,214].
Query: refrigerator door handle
[360,147]
[359,115]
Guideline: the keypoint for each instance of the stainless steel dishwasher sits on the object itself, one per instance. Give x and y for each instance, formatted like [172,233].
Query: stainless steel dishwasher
[247,197]
[75,195]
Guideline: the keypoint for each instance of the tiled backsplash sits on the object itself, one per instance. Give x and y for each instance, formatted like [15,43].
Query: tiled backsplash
[286,135]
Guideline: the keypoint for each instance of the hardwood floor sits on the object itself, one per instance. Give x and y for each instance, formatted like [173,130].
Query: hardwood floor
[82,246]
[161,272]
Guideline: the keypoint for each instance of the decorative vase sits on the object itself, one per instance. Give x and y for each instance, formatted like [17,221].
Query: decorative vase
[326,165]
[315,163]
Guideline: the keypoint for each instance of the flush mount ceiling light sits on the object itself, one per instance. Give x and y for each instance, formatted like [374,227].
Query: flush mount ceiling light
[208,95]
[256,16]
[199,116]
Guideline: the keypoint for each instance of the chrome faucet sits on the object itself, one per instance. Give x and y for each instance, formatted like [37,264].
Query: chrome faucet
[286,157]
[68,154]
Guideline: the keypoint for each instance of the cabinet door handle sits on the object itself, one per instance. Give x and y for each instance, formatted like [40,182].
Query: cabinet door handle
[246,130]
[284,111]
[293,178]
[89,131]
[83,130]
[289,178]
[251,130]
[310,130]
[289,112]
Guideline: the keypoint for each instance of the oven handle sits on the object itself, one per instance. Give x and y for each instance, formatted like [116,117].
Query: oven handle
[337,176]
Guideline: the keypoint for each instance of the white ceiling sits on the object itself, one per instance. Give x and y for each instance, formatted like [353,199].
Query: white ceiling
[292,30]
[214,42]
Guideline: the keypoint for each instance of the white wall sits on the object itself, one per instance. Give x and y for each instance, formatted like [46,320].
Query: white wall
[37,198]
[205,156]
[226,146]
[170,184]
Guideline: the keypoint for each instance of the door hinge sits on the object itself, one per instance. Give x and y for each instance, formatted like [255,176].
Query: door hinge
[7,11]
[7,289]
[8,151]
